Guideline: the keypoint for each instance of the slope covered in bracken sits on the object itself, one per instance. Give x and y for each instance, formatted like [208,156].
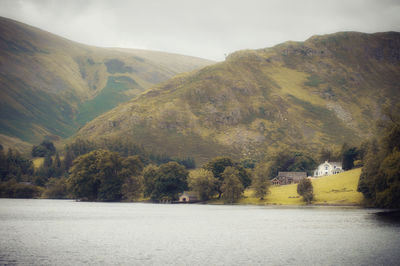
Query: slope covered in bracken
[325,91]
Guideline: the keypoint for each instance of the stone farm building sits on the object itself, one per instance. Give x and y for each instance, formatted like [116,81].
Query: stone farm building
[328,168]
[286,178]
[188,197]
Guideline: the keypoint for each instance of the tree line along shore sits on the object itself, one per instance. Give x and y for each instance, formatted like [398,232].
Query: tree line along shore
[118,170]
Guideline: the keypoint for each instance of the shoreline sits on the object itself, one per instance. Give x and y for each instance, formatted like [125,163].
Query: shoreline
[213,203]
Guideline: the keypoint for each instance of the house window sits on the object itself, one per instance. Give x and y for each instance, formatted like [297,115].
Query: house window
[326,167]
[326,173]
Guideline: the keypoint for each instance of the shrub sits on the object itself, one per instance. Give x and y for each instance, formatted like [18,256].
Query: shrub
[232,189]
[305,189]
[203,182]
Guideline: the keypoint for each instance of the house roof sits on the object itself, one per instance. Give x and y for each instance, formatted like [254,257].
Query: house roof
[337,164]
[292,174]
[190,194]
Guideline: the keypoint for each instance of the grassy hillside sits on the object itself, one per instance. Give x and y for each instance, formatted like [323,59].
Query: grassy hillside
[113,93]
[299,95]
[340,189]
[50,86]
[14,143]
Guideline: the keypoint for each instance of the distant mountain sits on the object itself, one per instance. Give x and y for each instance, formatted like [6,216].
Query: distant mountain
[50,86]
[325,91]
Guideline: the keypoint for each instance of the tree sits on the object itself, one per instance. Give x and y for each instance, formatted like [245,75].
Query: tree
[46,148]
[131,171]
[171,180]
[57,166]
[12,189]
[150,173]
[80,147]
[380,177]
[244,175]
[388,190]
[349,156]
[109,167]
[45,171]
[291,161]
[3,165]
[56,188]
[97,176]
[48,161]
[132,189]
[15,166]
[305,189]
[248,163]
[232,189]
[68,159]
[203,182]
[217,167]
[261,181]
[83,181]
[134,164]
[370,170]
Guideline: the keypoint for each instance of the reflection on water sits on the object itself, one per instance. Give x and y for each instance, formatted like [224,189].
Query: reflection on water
[57,232]
[390,217]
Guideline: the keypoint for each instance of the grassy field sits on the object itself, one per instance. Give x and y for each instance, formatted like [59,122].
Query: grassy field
[37,162]
[340,189]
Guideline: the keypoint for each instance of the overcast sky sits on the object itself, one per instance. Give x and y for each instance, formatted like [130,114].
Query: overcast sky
[203,28]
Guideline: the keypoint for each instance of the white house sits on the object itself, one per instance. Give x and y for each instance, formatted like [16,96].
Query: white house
[328,168]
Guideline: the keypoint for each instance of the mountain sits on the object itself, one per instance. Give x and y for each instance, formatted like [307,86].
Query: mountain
[323,92]
[50,86]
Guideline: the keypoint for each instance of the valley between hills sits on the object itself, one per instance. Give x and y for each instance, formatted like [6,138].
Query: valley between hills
[51,86]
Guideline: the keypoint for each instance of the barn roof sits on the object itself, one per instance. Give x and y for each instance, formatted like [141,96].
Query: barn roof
[292,174]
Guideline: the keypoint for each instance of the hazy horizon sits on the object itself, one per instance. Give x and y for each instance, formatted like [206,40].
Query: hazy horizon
[204,29]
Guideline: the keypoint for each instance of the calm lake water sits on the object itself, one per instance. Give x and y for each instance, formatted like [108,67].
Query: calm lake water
[64,232]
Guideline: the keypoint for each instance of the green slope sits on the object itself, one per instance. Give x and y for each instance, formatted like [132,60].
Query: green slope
[109,97]
[324,91]
[50,86]
[340,189]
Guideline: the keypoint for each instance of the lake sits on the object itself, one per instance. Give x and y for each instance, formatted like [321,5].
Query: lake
[66,232]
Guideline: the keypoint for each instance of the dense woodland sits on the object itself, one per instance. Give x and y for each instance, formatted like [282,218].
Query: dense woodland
[380,177]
